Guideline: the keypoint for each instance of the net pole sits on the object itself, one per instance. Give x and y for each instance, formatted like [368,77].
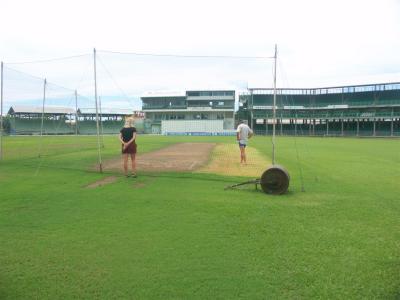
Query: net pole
[97,111]
[43,103]
[76,112]
[274,108]
[101,124]
[42,121]
[1,111]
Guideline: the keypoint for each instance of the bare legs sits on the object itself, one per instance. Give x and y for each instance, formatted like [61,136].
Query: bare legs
[242,155]
[125,163]
[133,162]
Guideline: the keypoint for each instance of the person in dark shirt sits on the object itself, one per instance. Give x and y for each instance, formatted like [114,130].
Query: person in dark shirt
[127,137]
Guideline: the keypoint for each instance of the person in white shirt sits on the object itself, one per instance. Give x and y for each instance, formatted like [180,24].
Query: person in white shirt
[243,133]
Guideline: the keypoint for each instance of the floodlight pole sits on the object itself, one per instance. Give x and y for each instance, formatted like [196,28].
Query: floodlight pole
[97,111]
[1,113]
[274,108]
[76,112]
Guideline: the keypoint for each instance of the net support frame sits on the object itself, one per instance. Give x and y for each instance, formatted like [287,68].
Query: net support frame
[274,108]
[101,124]
[76,113]
[43,104]
[42,118]
[1,111]
[97,111]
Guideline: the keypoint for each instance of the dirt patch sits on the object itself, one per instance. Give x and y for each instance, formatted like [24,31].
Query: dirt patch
[225,160]
[101,182]
[175,158]
[139,185]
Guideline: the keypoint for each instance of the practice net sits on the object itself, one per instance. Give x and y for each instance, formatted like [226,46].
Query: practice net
[67,113]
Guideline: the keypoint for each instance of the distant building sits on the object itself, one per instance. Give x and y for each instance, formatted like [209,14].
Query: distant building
[358,110]
[25,119]
[57,120]
[190,112]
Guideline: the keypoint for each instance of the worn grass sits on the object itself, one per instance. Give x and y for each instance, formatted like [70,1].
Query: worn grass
[225,160]
[181,236]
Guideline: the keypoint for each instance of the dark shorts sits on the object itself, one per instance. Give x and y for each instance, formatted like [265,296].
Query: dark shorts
[242,145]
[131,149]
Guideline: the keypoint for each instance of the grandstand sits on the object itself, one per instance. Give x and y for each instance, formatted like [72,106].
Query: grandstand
[203,112]
[112,120]
[359,110]
[27,120]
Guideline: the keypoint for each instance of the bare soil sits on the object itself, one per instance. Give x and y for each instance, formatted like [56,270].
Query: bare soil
[175,158]
[139,185]
[101,182]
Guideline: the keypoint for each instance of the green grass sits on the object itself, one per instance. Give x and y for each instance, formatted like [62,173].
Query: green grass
[182,236]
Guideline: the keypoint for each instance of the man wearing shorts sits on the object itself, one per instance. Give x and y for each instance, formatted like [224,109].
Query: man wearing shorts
[243,133]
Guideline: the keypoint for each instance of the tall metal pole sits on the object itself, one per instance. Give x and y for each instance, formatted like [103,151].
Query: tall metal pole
[1,113]
[101,124]
[76,112]
[274,108]
[251,110]
[43,103]
[97,111]
[42,122]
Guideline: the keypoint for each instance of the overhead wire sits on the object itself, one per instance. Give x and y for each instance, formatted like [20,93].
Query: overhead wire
[46,60]
[291,101]
[70,91]
[38,78]
[114,80]
[110,74]
[187,56]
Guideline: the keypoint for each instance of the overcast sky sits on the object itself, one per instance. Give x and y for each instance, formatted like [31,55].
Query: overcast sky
[320,43]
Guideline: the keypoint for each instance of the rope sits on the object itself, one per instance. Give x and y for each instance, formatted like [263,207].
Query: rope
[188,56]
[43,152]
[114,81]
[39,78]
[291,102]
[47,148]
[46,60]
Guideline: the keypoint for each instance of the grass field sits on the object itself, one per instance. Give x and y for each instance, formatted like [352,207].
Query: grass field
[182,236]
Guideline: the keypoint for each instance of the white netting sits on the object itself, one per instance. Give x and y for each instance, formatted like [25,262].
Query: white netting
[59,114]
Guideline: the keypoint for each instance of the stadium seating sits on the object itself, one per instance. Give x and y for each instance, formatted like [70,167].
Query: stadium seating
[106,127]
[33,126]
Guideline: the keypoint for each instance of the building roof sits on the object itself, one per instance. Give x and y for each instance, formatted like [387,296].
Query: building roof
[26,109]
[163,94]
[106,111]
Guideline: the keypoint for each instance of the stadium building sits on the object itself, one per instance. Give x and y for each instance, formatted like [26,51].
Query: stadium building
[359,110]
[112,120]
[27,120]
[190,112]
[33,120]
